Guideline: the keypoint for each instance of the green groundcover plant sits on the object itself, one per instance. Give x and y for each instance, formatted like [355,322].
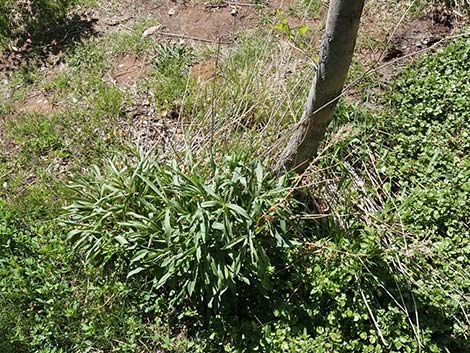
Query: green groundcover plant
[52,302]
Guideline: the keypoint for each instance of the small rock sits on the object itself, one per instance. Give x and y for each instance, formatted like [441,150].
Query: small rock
[150,31]
[171,12]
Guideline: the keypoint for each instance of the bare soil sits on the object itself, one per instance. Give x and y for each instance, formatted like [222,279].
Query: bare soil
[420,34]
[211,23]
[203,71]
[205,21]
[36,103]
[127,70]
[220,21]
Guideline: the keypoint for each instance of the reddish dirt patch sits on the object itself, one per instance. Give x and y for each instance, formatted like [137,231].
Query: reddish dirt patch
[202,21]
[127,70]
[38,103]
[203,71]
[7,146]
[206,22]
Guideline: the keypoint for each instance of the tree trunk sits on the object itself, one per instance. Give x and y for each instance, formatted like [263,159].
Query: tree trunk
[335,58]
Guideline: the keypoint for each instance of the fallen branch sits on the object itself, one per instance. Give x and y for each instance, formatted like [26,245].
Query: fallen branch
[183,36]
[232,3]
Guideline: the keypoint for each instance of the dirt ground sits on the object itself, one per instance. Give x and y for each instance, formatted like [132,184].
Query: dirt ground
[127,70]
[212,22]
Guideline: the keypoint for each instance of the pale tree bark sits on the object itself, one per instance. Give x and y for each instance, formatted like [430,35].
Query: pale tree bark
[336,53]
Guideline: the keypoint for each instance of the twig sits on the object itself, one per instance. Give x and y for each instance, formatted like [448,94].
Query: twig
[235,3]
[180,123]
[118,21]
[300,50]
[232,3]
[420,344]
[6,174]
[214,84]
[183,36]
[372,315]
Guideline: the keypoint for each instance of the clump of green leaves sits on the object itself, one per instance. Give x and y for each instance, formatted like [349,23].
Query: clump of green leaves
[197,230]
[295,34]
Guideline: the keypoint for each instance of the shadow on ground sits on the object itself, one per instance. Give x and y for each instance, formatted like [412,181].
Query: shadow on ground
[46,46]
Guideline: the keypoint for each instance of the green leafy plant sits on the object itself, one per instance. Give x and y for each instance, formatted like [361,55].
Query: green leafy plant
[427,160]
[295,34]
[194,230]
